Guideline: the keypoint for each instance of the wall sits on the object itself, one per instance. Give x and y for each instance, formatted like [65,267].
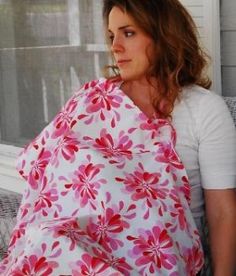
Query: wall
[206,15]
[228,47]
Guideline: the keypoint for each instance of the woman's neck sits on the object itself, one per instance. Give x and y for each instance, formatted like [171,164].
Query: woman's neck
[140,90]
[141,93]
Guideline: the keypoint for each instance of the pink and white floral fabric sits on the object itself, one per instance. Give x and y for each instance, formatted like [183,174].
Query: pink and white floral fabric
[107,194]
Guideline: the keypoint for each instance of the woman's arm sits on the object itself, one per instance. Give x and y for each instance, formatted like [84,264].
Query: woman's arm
[221,216]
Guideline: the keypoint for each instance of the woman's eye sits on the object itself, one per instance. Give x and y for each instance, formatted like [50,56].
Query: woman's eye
[111,38]
[129,33]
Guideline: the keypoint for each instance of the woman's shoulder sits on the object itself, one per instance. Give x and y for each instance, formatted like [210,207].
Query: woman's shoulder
[198,94]
[201,101]
[200,106]
[206,108]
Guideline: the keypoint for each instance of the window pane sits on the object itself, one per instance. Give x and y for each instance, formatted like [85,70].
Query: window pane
[49,49]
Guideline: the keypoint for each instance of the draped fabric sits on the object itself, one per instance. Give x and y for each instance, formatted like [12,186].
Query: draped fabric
[107,194]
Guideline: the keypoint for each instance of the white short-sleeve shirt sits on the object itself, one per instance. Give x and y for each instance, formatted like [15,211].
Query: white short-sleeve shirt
[206,142]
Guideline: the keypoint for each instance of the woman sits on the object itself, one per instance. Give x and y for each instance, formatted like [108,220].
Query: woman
[108,194]
[175,89]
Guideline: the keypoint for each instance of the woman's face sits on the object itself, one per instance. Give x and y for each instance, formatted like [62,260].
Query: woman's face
[130,46]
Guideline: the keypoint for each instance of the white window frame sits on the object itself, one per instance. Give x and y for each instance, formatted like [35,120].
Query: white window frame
[212,41]
[9,177]
[208,12]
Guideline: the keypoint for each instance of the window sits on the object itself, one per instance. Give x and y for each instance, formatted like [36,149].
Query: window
[49,49]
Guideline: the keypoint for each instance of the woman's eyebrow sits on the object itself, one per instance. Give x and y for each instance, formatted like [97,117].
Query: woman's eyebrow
[121,28]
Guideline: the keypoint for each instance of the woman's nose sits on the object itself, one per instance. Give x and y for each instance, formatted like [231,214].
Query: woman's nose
[116,45]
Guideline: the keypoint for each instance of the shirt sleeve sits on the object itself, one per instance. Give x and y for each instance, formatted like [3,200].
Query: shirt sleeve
[217,143]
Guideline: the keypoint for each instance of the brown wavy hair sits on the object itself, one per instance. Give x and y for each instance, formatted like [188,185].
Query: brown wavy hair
[179,59]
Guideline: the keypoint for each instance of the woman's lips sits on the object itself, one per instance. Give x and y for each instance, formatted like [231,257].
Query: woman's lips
[123,61]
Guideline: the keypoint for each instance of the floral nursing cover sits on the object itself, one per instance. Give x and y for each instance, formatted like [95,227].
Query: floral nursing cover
[107,194]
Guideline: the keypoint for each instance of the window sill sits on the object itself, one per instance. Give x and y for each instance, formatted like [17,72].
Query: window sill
[9,178]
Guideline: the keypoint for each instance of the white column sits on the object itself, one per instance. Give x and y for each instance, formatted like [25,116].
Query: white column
[9,87]
[212,40]
[207,17]
[98,22]
[73,22]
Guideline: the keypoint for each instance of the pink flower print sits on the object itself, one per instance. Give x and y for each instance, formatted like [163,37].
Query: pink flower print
[45,198]
[3,265]
[63,120]
[117,151]
[177,210]
[101,97]
[185,188]
[101,103]
[153,250]
[17,234]
[143,185]
[155,127]
[194,260]
[86,183]
[89,266]
[119,264]
[91,84]
[66,149]
[32,151]
[69,229]
[34,265]
[106,228]
[24,210]
[38,168]
[166,154]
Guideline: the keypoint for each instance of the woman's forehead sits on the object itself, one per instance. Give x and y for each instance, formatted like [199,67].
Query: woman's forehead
[118,18]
